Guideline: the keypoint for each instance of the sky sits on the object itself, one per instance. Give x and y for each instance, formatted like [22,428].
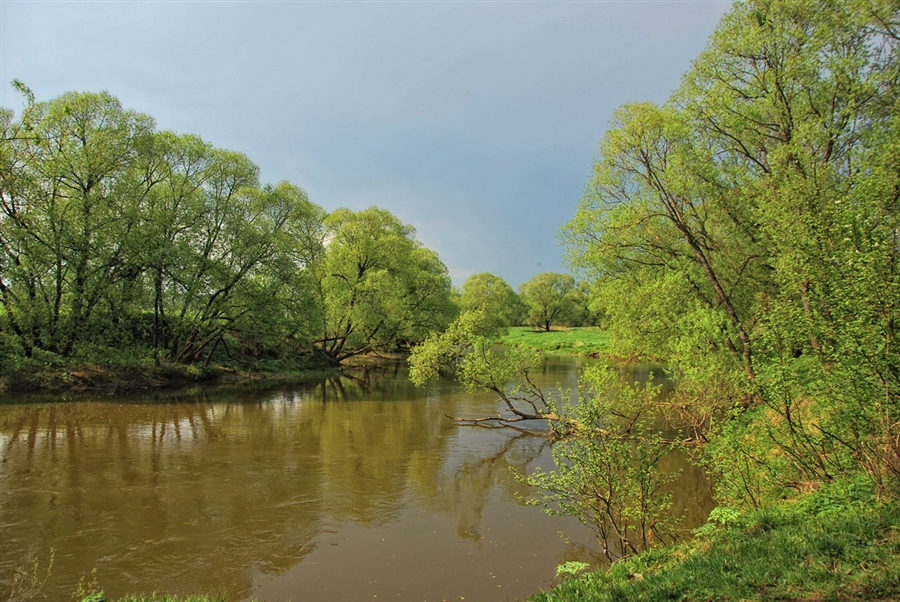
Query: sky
[475,122]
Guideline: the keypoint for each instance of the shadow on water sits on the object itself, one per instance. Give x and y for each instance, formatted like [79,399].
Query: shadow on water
[352,487]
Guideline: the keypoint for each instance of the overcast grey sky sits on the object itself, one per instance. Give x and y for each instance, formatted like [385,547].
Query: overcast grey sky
[476,122]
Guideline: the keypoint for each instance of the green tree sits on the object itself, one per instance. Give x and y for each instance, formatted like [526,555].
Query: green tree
[607,446]
[548,298]
[745,232]
[608,471]
[378,286]
[246,274]
[70,190]
[672,255]
[283,311]
[196,221]
[583,312]
[116,236]
[491,294]
[465,349]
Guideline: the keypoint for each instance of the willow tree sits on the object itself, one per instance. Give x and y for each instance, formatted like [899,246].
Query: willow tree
[549,298]
[71,184]
[116,236]
[606,446]
[492,295]
[749,226]
[747,233]
[378,286]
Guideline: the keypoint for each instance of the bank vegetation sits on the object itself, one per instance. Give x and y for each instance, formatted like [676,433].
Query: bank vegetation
[745,233]
[131,256]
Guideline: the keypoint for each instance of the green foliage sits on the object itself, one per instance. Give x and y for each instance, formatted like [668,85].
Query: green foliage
[608,470]
[445,352]
[571,568]
[551,298]
[465,350]
[70,187]
[585,309]
[577,340]
[838,543]
[609,444]
[718,518]
[745,233]
[492,295]
[116,237]
[378,286]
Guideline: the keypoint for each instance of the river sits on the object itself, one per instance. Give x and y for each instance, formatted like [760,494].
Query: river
[355,488]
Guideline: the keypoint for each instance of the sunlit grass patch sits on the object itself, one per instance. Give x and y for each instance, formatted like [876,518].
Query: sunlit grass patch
[584,340]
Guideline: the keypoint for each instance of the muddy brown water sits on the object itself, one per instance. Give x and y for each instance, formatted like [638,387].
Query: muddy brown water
[355,488]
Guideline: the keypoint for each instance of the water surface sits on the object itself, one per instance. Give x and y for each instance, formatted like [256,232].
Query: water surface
[355,488]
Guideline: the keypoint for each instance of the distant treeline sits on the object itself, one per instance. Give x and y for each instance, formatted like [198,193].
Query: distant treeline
[548,299]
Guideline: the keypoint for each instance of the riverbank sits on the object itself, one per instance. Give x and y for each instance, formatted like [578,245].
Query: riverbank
[118,375]
[115,374]
[584,340]
[838,543]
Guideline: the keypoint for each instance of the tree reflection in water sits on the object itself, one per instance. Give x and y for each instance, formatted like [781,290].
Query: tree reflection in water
[273,492]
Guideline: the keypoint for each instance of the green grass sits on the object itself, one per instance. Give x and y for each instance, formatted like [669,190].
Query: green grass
[835,544]
[581,340]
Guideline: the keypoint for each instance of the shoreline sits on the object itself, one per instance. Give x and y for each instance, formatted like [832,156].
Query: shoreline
[837,543]
[112,378]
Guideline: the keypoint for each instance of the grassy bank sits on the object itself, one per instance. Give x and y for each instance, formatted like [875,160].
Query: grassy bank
[839,543]
[121,373]
[581,341]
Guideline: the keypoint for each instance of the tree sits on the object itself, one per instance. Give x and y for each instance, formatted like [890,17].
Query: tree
[583,312]
[667,217]
[747,231]
[244,268]
[607,446]
[492,295]
[209,221]
[465,349]
[283,312]
[116,236]
[378,286]
[548,299]
[609,471]
[70,189]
